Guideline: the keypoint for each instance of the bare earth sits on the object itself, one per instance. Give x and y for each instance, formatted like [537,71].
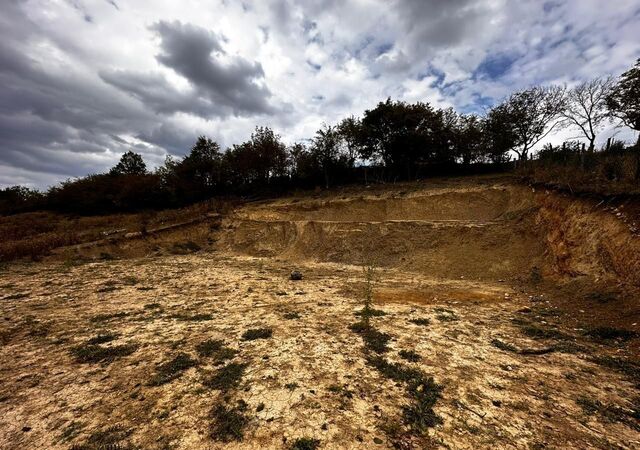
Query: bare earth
[513,373]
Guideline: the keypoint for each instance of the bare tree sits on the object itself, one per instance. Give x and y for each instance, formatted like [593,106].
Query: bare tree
[528,116]
[586,107]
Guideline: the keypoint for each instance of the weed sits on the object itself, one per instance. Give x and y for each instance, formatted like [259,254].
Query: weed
[227,377]
[420,321]
[409,355]
[291,386]
[209,347]
[505,346]
[371,312]
[92,353]
[305,443]
[257,333]
[374,340]
[229,422]
[423,392]
[173,369]
[102,338]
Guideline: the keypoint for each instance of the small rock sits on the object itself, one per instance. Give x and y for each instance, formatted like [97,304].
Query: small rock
[26,429]
[296,275]
[496,403]
[377,440]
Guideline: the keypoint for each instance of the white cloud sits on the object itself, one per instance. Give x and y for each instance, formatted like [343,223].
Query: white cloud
[83,81]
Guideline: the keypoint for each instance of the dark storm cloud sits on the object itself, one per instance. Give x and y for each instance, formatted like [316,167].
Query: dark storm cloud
[197,55]
[83,81]
[217,88]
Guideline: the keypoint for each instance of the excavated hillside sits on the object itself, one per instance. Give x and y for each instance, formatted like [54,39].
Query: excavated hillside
[503,316]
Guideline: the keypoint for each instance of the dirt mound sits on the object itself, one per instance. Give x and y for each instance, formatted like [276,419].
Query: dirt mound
[482,233]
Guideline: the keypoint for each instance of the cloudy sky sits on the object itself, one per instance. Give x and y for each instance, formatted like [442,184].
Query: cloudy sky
[82,81]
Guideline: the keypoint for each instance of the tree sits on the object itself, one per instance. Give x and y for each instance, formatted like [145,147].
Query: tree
[586,107]
[130,164]
[530,115]
[325,148]
[203,165]
[349,130]
[623,100]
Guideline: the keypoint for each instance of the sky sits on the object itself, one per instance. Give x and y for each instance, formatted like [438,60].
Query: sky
[83,81]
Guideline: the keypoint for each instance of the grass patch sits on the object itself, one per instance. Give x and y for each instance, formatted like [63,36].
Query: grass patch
[209,347]
[420,321]
[610,333]
[102,338]
[229,422]
[370,312]
[257,333]
[305,443]
[423,393]
[227,377]
[93,353]
[374,340]
[409,355]
[169,371]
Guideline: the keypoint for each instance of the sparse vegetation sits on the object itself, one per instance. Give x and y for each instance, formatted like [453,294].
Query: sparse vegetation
[170,370]
[229,422]
[420,321]
[409,355]
[257,333]
[92,353]
[305,443]
[226,378]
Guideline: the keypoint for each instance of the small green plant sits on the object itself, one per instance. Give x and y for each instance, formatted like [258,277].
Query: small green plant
[305,443]
[369,279]
[169,371]
[229,422]
[227,377]
[257,333]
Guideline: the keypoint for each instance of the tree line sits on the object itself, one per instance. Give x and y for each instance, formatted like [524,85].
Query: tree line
[395,140]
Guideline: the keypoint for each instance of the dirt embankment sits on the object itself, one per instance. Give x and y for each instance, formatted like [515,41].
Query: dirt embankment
[588,238]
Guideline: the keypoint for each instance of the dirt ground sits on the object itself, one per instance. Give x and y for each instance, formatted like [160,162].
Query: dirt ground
[220,349]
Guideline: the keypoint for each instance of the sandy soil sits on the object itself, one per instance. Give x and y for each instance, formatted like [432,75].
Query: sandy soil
[512,373]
